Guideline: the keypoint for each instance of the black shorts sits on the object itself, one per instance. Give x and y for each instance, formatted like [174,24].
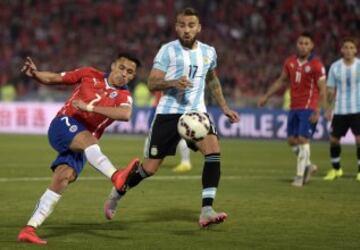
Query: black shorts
[164,137]
[341,123]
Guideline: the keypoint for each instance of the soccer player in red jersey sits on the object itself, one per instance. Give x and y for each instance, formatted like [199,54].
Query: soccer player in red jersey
[306,75]
[98,100]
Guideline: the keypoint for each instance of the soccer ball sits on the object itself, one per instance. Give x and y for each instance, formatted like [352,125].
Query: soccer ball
[193,126]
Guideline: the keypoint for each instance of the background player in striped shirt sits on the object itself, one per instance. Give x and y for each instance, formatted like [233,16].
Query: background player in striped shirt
[344,84]
[98,100]
[181,70]
[306,75]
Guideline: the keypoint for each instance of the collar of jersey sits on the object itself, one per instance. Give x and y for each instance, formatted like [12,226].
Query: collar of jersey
[308,59]
[108,86]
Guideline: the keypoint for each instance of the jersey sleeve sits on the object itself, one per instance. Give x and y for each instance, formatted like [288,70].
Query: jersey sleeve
[162,59]
[125,99]
[213,63]
[286,68]
[331,80]
[319,72]
[74,76]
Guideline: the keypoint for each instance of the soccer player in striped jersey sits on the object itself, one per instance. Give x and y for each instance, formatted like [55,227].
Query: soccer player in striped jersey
[344,88]
[181,70]
[306,75]
[98,99]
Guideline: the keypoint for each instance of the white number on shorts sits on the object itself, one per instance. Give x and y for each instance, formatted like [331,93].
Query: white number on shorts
[66,119]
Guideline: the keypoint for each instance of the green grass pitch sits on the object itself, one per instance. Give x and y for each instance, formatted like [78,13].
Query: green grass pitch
[265,212]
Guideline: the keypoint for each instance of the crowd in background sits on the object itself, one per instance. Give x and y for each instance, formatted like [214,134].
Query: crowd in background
[252,37]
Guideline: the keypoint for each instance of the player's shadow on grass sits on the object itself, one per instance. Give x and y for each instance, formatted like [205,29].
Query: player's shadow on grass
[91,229]
[172,214]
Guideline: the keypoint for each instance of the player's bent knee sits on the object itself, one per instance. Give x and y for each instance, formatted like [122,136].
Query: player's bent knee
[64,174]
[303,140]
[292,141]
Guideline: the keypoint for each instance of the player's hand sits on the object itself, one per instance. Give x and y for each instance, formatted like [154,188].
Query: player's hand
[328,114]
[80,105]
[314,117]
[29,67]
[182,83]
[232,115]
[262,101]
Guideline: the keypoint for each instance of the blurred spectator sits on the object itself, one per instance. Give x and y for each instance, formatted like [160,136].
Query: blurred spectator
[7,89]
[142,95]
[251,36]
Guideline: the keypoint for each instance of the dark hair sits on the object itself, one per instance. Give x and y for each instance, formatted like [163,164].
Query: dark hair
[189,12]
[130,57]
[307,34]
[349,39]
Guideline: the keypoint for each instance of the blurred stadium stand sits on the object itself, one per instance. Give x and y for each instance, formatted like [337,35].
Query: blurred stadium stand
[252,37]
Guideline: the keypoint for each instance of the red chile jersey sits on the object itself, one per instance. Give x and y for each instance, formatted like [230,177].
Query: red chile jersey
[93,86]
[304,77]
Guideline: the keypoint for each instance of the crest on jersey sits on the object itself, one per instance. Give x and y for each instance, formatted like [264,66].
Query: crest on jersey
[113,94]
[307,69]
[206,60]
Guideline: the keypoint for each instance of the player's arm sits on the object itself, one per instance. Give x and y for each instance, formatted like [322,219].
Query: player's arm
[323,100]
[214,86]
[44,77]
[120,113]
[156,81]
[276,86]
[331,93]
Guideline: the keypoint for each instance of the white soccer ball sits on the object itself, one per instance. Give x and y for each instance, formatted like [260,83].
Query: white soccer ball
[193,126]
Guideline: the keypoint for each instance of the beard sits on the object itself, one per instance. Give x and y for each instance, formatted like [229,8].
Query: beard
[188,43]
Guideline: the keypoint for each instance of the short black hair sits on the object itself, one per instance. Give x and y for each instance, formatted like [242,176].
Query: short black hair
[349,39]
[307,34]
[188,11]
[130,57]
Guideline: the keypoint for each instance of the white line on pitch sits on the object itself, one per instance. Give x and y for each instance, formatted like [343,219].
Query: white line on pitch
[154,178]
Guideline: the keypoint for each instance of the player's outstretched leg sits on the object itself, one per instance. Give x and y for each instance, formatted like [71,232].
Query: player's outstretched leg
[133,174]
[120,177]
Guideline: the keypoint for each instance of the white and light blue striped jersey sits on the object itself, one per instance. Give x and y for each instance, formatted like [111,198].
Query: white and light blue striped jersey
[177,61]
[346,80]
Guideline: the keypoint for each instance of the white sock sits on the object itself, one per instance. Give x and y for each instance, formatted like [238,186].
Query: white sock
[184,152]
[307,150]
[295,149]
[303,158]
[99,161]
[44,208]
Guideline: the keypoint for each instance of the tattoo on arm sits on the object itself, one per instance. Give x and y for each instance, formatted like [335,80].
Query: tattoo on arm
[215,88]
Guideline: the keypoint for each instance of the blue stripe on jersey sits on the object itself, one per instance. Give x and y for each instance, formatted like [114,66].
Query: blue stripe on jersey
[348,88]
[198,98]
